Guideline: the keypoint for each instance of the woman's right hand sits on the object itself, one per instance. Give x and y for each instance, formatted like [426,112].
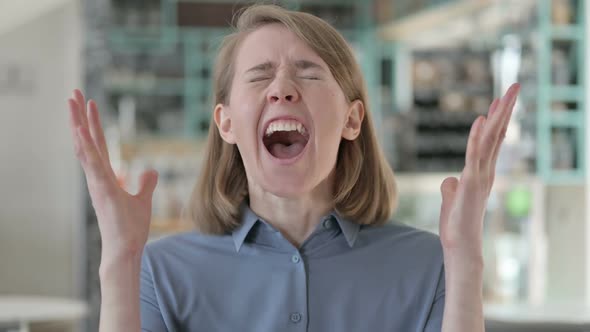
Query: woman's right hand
[123,218]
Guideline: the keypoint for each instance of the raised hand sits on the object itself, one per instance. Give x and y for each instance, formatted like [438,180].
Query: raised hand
[464,200]
[461,219]
[123,218]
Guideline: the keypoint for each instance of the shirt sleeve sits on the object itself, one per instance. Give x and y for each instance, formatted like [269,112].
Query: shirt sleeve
[151,316]
[434,322]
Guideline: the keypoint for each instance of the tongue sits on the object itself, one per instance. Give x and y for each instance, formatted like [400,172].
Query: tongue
[283,151]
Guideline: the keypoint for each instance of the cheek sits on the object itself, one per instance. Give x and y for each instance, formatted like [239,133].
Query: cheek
[245,125]
[329,133]
[329,114]
[328,100]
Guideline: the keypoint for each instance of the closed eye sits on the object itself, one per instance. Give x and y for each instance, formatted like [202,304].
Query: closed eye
[258,79]
[310,78]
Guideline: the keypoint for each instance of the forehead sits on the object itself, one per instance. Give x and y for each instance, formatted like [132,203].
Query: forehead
[274,43]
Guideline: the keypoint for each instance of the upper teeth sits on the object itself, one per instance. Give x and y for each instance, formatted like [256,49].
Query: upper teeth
[285,125]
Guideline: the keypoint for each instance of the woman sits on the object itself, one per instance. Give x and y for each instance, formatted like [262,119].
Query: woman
[292,206]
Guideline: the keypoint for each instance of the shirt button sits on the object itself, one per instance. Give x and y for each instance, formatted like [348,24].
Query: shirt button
[296,317]
[295,259]
[328,223]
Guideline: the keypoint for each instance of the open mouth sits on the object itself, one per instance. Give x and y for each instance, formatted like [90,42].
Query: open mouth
[285,139]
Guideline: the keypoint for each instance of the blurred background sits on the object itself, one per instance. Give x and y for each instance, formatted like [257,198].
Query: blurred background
[432,67]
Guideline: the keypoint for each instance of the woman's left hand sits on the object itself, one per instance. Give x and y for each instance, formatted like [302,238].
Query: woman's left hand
[464,200]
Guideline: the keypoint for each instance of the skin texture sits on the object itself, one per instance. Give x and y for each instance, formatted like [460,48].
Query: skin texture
[294,197]
[291,197]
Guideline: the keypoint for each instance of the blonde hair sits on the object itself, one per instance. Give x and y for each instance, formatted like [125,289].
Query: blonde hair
[365,192]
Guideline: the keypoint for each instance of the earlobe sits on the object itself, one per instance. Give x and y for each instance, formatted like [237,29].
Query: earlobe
[223,122]
[354,120]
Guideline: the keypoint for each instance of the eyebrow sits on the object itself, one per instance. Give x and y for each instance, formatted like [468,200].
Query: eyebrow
[306,64]
[299,64]
[266,66]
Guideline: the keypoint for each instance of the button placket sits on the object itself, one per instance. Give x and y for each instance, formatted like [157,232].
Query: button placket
[298,306]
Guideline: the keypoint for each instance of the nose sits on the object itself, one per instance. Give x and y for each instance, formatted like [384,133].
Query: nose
[283,91]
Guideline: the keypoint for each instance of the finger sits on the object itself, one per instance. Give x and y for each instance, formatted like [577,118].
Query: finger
[98,137]
[492,167]
[91,163]
[506,114]
[74,124]
[96,131]
[448,190]
[472,155]
[74,117]
[490,156]
[493,107]
[497,122]
[79,97]
[508,97]
[147,184]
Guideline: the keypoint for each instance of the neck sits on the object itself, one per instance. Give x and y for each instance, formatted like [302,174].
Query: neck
[295,217]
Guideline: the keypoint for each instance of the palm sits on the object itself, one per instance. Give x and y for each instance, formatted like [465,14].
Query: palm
[463,220]
[465,199]
[123,218]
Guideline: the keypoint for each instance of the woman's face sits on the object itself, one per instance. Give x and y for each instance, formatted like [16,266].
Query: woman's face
[286,113]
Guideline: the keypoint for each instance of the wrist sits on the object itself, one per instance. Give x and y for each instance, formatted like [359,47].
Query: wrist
[466,271]
[470,260]
[114,263]
[120,291]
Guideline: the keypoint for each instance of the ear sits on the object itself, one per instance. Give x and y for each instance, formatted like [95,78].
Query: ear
[223,122]
[354,119]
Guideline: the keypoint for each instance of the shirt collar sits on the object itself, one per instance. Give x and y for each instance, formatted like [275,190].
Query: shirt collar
[349,229]
[249,219]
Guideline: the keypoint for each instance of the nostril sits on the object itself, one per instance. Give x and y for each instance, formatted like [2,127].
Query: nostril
[289,98]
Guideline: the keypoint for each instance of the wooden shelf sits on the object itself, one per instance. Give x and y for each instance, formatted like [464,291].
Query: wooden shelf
[429,18]
[170,226]
[162,145]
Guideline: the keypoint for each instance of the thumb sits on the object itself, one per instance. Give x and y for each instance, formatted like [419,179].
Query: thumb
[147,184]
[448,190]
